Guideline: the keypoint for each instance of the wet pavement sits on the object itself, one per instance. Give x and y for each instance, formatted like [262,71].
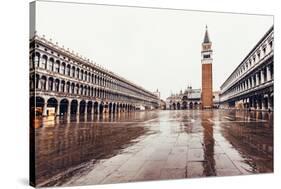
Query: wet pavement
[152,145]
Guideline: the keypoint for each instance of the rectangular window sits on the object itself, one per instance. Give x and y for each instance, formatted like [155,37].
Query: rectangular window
[206,56]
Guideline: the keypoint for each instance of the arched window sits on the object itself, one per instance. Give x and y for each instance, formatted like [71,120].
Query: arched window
[62,68]
[77,73]
[43,83]
[57,66]
[37,80]
[57,82]
[62,86]
[77,89]
[51,64]
[50,84]
[81,89]
[85,76]
[68,70]
[73,72]
[72,88]
[81,74]
[36,60]
[67,86]
[44,62]
[85,90]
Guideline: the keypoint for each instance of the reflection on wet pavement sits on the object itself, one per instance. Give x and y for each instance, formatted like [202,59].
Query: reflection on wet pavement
[152,145]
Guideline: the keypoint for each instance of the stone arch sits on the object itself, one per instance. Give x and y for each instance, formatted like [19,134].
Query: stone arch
[36,105]
[52,106]
[110,108]
[96,107]
[196,105]
[191,105]
[82,107]
[101,107]
[89,107]
[174,106]
[178,106]
[74,107]
[184,105]
[64,105]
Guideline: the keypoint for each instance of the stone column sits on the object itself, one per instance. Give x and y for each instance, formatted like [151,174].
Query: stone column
[69,108]
[262,76]
[270,106]
[263,103]
[78,108]
[98,109]
[45,109]
[86,107]
[39,82]
[253,81]
[256,104]
[93,109]
[268,73]
[58,109]
[257,79]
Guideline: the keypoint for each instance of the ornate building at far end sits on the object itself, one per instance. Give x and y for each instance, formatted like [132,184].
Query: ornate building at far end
[189,99]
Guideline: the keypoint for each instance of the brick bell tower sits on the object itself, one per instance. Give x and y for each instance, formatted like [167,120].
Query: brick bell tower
[207,80]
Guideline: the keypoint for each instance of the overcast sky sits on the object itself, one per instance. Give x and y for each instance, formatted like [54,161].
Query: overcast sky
[155,48]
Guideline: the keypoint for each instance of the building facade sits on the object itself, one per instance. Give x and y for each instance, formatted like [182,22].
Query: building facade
[189,99]
[250,86]
[62,82]
[207,77]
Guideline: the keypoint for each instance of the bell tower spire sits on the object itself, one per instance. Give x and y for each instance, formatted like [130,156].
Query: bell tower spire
[206,37]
